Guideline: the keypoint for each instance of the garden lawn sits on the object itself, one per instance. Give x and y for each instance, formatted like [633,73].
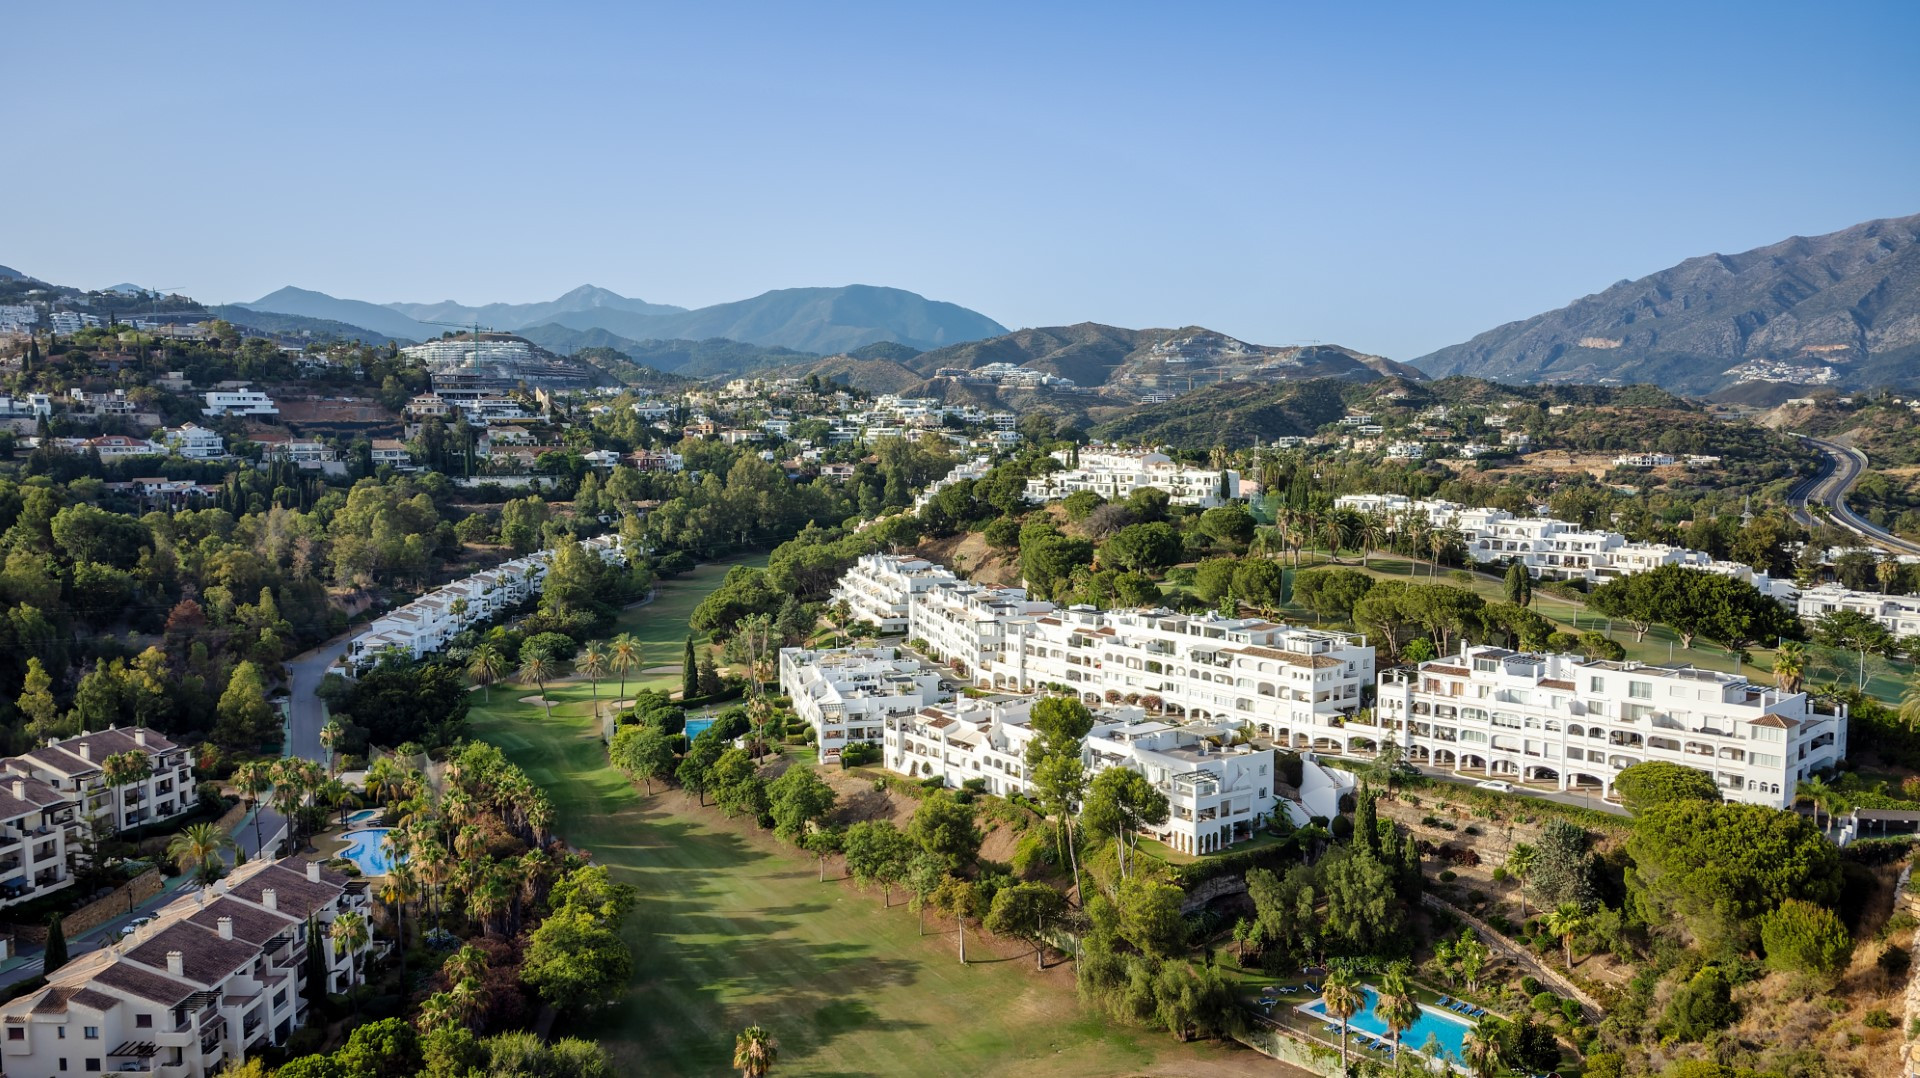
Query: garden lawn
[732,929]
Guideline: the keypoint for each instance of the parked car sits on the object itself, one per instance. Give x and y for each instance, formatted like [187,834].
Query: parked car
[1496,785]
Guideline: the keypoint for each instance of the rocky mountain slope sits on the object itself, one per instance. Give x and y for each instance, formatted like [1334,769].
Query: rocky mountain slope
[1841,309]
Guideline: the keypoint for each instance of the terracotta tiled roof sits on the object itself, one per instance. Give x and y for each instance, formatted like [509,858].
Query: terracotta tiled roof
[207,959]
[145,984]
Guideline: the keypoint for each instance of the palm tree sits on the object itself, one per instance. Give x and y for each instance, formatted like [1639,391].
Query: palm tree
[623,655]
[540,669]
[485,666]
[1398,1006]
[250,779]
[330,735]
[335,795]
[202,847]
[1910,704]
[349,932]
[1790,666]
[399,890]
[593,663]
[1817,791]
[1480,1048]
[1438,542]
[1373,531]
[1520,862]
[1342,997]
[1335,533]
[754,1052]
[1566,922]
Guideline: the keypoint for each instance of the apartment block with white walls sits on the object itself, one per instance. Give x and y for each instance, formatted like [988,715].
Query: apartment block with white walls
[847,694]
[878,588]
[241,402]
[1898,614]
[1114,473]
[75,768]
[216,977]
[1568,723]
[965,624]
[35,820]
[962,741]
[1217,792]
[1556,549]
[194,442]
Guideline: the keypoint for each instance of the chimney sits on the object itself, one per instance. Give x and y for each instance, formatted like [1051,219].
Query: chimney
[20,789]
[140,737]
[226,928]
[270,899]
[313,871]
[176,963]
[85,750]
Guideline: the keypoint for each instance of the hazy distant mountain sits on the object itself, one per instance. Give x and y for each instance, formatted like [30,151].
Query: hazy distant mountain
[1094,355]
[692,359]
[12,274]
[291,300]
[273,322]
[1841,309]
[819,320]
[514,316]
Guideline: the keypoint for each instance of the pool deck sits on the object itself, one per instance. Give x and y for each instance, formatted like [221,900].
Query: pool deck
[1286,1011]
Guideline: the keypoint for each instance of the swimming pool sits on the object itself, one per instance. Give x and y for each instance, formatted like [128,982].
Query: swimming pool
[695,727]
[367,848]
[366,816]
[1451,1030]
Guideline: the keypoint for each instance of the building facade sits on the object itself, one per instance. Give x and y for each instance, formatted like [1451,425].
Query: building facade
[847,694]
[1898,614]
[75,768]
[1574,724]
[1115,473]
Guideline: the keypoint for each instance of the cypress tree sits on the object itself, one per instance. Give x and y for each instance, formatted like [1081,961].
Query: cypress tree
[689,675]
[1519,585]
[1366,822]
[56,944]
[316,970]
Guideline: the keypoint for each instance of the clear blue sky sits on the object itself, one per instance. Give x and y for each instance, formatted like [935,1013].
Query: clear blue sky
[1391,177]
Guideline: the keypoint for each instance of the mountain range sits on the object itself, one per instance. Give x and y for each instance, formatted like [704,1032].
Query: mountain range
[816,320]
[1841,309]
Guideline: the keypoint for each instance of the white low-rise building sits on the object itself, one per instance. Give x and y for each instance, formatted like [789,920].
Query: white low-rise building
[193,441]
[847,694]
[76,768]
[1569,723]
[1217,792]
[1899,614]
[878,588]
[1115,473]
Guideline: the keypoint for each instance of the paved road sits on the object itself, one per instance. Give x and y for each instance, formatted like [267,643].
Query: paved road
[1842,468]
[306,713]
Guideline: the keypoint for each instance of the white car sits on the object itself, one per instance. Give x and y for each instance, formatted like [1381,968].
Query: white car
[1496,785]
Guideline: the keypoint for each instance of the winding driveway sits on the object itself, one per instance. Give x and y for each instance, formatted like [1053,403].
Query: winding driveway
[305,713]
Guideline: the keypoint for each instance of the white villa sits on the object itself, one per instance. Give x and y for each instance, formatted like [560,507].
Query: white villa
[73,768]
[1576,724]
[242,402]
[1114,473]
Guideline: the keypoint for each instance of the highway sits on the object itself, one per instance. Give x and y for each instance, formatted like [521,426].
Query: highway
[1843,468]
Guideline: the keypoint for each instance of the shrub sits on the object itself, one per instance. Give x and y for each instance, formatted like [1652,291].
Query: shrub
[1530,984]
[1801,937]
[1545,1002]
[1878,1018]
[1448,875]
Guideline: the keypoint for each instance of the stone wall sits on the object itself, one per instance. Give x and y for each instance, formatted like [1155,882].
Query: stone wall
[1269,1041]
[1209,890]
[99,911]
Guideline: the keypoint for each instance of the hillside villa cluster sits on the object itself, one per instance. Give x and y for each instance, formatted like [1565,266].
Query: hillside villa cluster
[1559,721]
[424,625]
[1898,614]
[1555,549]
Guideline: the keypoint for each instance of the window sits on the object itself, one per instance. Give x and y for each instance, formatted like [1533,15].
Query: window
[15,1033]
[1597,684]
[63,1062]
[1635,712]
[143,1021]
[93,1063]
[62,1031]
[1763,759]
[1640,690]
[91,1033]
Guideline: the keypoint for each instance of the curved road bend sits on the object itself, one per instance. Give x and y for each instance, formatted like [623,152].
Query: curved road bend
[1843,469]
[305,713]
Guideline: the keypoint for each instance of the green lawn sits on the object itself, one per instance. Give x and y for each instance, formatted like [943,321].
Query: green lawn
[733,929]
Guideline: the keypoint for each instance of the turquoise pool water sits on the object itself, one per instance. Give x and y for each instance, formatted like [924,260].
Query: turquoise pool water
[696,726]
[1451,1029]
[366,816]
[367,848]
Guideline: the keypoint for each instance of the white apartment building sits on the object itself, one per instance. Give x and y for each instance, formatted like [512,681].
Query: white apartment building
[1302,687]
[426,624]
[194,442]
[74,768]
[1114,473]
[1567,723]
[217,976]
[1900,614]
[1643,460]
[965,740]
[35,820]
[1217,792]
[879,586]
[846,694]
[240,402]
[1555,549]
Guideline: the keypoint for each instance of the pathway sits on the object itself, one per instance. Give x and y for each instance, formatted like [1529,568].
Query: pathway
[1522,957]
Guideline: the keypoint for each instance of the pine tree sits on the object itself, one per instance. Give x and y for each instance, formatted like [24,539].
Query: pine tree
[316,968]
[1366,822]
[56,945]
[689,675]
[709,677]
